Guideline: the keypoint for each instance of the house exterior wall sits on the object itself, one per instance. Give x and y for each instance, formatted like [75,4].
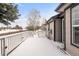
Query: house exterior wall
[58,30]
[47,30]
[52,30]
[69,47]
[63,30]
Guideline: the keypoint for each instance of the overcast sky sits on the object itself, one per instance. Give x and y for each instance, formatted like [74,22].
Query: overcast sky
[46,11]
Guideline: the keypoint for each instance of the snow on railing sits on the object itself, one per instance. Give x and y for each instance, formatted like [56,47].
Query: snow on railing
[10,42]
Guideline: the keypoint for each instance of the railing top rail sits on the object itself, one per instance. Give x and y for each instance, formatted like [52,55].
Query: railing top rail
[12,34]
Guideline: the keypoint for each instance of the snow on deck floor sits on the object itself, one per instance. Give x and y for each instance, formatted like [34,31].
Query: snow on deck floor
[37,46]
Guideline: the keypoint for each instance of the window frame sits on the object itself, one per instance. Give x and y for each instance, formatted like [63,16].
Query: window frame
[71,26]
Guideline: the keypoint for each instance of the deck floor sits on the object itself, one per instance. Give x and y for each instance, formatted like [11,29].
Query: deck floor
[37,46]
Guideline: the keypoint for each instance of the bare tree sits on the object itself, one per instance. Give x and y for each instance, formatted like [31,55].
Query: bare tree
[33,18]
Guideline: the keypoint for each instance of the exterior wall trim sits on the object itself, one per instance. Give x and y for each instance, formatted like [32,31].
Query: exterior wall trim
[65,31]
[61,29]
[54,31]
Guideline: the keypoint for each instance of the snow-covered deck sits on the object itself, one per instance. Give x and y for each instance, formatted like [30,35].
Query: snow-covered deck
[37,45]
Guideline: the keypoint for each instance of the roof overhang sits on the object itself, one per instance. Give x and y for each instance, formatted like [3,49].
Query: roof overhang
[58,16]
[62,7]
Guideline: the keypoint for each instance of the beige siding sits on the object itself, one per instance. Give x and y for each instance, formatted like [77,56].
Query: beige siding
[70,48]
[47,30]
[63,30]
[52,28]
[58,29]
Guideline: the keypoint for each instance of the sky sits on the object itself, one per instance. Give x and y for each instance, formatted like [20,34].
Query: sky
[46,11]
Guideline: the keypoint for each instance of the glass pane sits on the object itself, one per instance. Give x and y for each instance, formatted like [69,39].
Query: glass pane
[75,15]
[76,29]
[75,24]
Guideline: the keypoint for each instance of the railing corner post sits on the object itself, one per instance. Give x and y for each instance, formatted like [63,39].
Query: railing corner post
[3,46]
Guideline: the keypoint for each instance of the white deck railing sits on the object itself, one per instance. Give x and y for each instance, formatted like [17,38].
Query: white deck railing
[10,42]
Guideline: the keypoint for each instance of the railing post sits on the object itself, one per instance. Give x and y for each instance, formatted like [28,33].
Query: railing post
[3,46]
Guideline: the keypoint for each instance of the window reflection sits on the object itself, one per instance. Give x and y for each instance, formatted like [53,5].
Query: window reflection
[75,25]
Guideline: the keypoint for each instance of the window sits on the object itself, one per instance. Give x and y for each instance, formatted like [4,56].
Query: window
[75,25]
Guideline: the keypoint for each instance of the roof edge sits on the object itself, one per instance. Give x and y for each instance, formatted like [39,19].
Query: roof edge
[60,5]
[55,17]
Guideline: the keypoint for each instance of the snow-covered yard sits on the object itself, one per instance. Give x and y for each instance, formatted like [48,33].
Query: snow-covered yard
[38,45]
